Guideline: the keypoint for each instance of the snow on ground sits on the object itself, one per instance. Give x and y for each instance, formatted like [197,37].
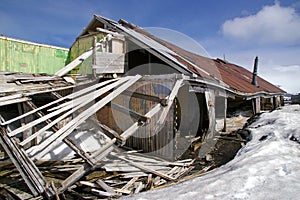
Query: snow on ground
[268,167]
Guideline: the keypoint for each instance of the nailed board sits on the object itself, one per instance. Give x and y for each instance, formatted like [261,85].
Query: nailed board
[109,63]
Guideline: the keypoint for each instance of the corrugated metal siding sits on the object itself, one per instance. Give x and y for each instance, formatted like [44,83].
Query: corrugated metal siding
[23,56]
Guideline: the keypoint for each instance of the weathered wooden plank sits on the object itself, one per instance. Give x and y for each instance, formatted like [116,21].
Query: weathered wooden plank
[77,61]
[123,191]
[133,128]
[111,133]
[56,138]
[74,177]
[94,75]
[10,97]
[144,168]
[86,167]
[76,105]
[149,182]
[26,167]
[170,100]
[78,150]
[109,63]
[146,97]
[139,186]
[25,107]
[13,101]
[133,174]
[45,89]
[184,171]
[137,116]
[124,167]
[105,187]
[71,96]
[129,184]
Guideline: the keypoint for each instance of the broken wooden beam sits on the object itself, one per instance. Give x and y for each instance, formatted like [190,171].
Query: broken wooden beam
[29,172]
[140,118]
[68,97]
[147,97]
[144,168]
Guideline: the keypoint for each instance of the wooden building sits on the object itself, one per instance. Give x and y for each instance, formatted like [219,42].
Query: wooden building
[211,87]
[122,87]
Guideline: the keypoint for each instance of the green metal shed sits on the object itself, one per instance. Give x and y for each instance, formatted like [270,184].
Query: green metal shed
[28,57]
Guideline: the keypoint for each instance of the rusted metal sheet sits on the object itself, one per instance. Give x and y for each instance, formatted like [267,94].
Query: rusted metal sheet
[23,56]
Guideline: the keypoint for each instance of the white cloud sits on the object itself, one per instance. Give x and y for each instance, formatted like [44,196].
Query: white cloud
[271,25]
[291,68]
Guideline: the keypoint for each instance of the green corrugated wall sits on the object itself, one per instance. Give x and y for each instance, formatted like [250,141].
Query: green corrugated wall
[23,56]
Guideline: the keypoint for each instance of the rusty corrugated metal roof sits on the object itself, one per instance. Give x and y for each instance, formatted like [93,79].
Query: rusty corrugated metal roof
[236,77]
[240,79]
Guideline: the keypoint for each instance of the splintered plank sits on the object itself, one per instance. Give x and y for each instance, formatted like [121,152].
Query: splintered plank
[129,184]
[144,168]
[139,186]
[105,187]
[95,157]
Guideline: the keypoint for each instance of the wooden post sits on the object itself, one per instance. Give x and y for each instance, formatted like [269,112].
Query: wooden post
[94,75]
[256,105]
[24,108]
[210,103]
[225,114]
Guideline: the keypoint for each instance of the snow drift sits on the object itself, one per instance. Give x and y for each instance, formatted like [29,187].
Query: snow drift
[268,167]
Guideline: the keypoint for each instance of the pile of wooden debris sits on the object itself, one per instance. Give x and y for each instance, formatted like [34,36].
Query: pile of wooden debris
[64,143]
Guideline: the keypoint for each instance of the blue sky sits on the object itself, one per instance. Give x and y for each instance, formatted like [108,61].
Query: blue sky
[238,29]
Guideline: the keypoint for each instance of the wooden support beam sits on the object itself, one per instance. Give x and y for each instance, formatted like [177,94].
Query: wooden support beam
[68,97]
[140,118]
[112,133]
[78,150]
[94,75]
[147,97]
[77,104]
[225,115]
[57,137]
[133,128]
[170,100]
